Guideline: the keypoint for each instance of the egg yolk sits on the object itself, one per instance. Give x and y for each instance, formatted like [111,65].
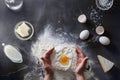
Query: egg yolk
[64,59]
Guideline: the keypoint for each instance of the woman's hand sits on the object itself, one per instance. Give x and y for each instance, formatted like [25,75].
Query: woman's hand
[81,60]
[47,65]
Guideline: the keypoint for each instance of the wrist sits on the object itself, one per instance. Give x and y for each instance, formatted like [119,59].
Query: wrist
[48,76]
[50,72]
[79,76]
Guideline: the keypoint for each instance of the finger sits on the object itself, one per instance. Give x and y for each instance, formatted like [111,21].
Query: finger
[43,60]
[79,52]
[82,64]
[48,53]
[45,65]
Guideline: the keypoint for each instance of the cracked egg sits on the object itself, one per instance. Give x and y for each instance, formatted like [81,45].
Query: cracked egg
[64,57]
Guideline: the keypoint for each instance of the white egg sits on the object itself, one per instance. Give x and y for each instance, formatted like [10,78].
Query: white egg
[82,18]
[13,54]
[84,34]
[104,40]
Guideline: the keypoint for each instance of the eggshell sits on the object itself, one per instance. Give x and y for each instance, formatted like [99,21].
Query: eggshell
[99,30]
[69,51]
[82,18]
[104,40]
[13,54]
[84,34]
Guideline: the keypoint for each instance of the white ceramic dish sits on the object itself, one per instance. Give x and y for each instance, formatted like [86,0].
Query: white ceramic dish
[104,4]
[31,30]
[13,54]
[99,30]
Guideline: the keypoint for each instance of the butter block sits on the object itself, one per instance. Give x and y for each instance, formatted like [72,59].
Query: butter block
[23,30]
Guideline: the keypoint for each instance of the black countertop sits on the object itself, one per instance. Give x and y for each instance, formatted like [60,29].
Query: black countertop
[61,14]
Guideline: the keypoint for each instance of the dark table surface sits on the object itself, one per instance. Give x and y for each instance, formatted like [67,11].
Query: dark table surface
[61,14]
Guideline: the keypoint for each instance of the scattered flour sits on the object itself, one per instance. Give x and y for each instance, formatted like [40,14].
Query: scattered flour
[45,42]
[95,16]
[69,52]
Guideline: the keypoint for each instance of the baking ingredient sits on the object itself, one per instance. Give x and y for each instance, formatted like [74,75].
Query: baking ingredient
[99,30]
[105,63]
[82,18]
[64,57]
[84,35]
[46,41]
[23,30]
[104,4]
[95,16]
[104,40]
[13,54]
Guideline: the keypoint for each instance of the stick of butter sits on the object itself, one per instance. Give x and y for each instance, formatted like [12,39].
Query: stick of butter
[23,30]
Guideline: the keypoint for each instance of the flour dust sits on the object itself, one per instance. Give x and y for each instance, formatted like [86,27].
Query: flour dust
[47,40]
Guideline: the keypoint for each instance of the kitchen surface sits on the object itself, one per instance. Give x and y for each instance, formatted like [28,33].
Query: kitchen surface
[74,21]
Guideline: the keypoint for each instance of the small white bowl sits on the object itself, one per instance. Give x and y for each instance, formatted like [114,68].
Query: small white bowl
[104,4]
[99,30]
[31,28]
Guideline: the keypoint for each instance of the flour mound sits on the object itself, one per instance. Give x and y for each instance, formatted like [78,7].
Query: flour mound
[45,42]
[69,51]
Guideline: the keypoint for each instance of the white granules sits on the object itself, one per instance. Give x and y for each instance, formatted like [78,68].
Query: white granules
[104,4]
[95,15]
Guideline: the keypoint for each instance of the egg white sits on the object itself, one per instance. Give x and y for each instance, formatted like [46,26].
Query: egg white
[69,51]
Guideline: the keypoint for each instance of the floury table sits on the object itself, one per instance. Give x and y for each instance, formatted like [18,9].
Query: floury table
[61,14]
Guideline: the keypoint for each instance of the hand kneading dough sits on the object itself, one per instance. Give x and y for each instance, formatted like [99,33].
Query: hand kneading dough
[64,57]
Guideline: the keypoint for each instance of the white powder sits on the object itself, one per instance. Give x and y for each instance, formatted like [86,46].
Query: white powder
[95,15]
[104,4]
[45,42]
[69,51]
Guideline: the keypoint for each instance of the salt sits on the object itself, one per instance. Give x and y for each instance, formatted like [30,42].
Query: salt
[104,4]
[95,16]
